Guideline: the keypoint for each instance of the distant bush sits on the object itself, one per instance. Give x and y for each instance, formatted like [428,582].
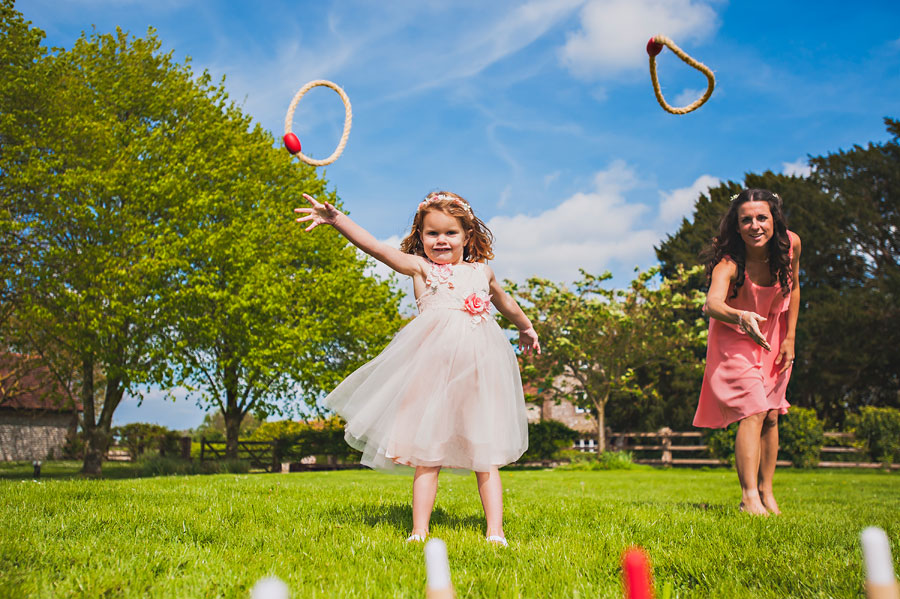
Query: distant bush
[877,431]
[139,437]
[157,465]
[295,440]
[720,442]
[608,460]
[801,435]
[546,438]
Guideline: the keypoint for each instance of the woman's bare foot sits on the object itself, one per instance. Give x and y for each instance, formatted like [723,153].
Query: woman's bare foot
[768,501]
[753,505]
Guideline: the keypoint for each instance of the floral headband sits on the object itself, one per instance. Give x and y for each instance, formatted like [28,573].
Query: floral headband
[735,196]
[442,196]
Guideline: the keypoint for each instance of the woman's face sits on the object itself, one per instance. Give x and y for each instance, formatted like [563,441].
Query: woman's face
[443,237]
[755,224]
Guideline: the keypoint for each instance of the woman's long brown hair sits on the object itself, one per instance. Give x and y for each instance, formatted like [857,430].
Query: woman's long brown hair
[728,242]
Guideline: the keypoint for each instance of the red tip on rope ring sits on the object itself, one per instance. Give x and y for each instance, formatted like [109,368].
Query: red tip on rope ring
[292,143]
[654,47]
[636,572]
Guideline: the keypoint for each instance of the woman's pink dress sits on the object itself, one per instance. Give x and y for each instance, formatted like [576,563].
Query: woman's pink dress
[742,378]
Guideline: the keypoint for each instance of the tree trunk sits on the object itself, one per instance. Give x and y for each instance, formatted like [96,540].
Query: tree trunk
[232,411]
[601,424]
[93,456]
[233,420]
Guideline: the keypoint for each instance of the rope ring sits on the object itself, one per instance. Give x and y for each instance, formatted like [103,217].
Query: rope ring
[292,143]
[654,47]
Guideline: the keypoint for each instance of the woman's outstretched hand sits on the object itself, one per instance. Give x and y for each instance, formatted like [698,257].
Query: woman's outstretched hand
[319,213]
[749,323]
[528,340]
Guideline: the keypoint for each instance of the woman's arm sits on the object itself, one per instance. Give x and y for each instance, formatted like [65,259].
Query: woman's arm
[507,306]
[786,351]
[724,273]
[326,214]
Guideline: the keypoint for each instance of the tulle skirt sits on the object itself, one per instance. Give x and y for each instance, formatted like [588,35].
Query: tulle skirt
[444,392]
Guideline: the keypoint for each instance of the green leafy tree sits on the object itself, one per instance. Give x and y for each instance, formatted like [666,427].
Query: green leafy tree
[86,189]
[263,318]
[596,340]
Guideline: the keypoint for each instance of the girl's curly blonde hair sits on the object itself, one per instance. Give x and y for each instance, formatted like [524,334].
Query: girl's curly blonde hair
[477,248]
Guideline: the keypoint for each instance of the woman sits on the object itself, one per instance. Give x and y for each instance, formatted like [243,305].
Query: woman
[753,268]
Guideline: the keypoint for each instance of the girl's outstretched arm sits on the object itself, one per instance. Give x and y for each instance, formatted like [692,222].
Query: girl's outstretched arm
[326,214]
[722,275]
[507,306]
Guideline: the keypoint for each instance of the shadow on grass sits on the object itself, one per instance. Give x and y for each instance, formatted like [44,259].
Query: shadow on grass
[701,506]
[71,470]
[399,516]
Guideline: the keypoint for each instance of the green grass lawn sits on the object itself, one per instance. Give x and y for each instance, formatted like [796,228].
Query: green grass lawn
[341,534]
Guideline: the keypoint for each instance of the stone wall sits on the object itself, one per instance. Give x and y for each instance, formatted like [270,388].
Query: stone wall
[26,435]
[564,412]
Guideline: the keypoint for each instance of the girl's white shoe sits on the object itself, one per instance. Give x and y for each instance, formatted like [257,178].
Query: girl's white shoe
[497,540]
[415,539]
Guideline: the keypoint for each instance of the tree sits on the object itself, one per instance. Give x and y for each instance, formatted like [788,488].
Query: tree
[596,340]
[846,213]
[85,192]
[264,318]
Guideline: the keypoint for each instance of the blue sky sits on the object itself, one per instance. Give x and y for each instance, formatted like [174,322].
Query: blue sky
[540,113]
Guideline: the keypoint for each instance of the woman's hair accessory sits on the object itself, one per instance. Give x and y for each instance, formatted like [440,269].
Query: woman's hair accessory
[734,197]
[442,196]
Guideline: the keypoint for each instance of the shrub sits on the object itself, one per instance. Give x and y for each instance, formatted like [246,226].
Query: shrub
[546,438]
[295,440]
[608,460]
[878,432]
[720,443]
[158,465]
[138,437]
[801,435]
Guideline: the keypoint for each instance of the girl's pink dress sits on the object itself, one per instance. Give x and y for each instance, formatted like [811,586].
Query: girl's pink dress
[446,391]
[742,378]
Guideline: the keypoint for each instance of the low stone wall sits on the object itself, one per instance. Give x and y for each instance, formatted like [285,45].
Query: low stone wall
[26,436]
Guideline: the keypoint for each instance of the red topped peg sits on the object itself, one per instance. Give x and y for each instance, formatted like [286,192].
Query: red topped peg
[292,143]
[654,47]
[636,572]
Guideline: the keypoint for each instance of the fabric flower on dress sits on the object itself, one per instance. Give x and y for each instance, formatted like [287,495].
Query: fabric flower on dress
[440,273]
[479,306]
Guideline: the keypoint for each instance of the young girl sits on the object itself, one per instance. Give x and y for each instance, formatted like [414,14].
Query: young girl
[753,268]
[446,391]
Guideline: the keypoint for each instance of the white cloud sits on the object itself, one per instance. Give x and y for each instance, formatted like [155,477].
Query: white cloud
[595,230]
[679,203]
[504,196]
[688,96]
[797,168]
[614,33]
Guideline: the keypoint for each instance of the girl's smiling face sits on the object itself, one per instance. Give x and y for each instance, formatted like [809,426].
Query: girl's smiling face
[755,224]
[443,237]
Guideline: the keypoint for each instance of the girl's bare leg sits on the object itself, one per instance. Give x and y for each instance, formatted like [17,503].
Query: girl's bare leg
[425,484]
[491,490]
[767,458]
[747,461]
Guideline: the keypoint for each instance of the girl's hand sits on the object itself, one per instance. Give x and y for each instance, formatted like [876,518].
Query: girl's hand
[528,340]
[319,214]
[749,323]
[785,354]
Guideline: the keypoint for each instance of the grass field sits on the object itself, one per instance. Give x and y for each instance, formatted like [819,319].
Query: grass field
[340,534]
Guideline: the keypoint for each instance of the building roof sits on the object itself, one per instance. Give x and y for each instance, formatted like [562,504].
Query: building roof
[27,384]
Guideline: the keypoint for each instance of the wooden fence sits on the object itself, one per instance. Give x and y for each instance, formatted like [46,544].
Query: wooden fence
[680,449]
[260,454]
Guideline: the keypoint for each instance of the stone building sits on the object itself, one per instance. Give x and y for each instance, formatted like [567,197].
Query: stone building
[577,419]
[36,414]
